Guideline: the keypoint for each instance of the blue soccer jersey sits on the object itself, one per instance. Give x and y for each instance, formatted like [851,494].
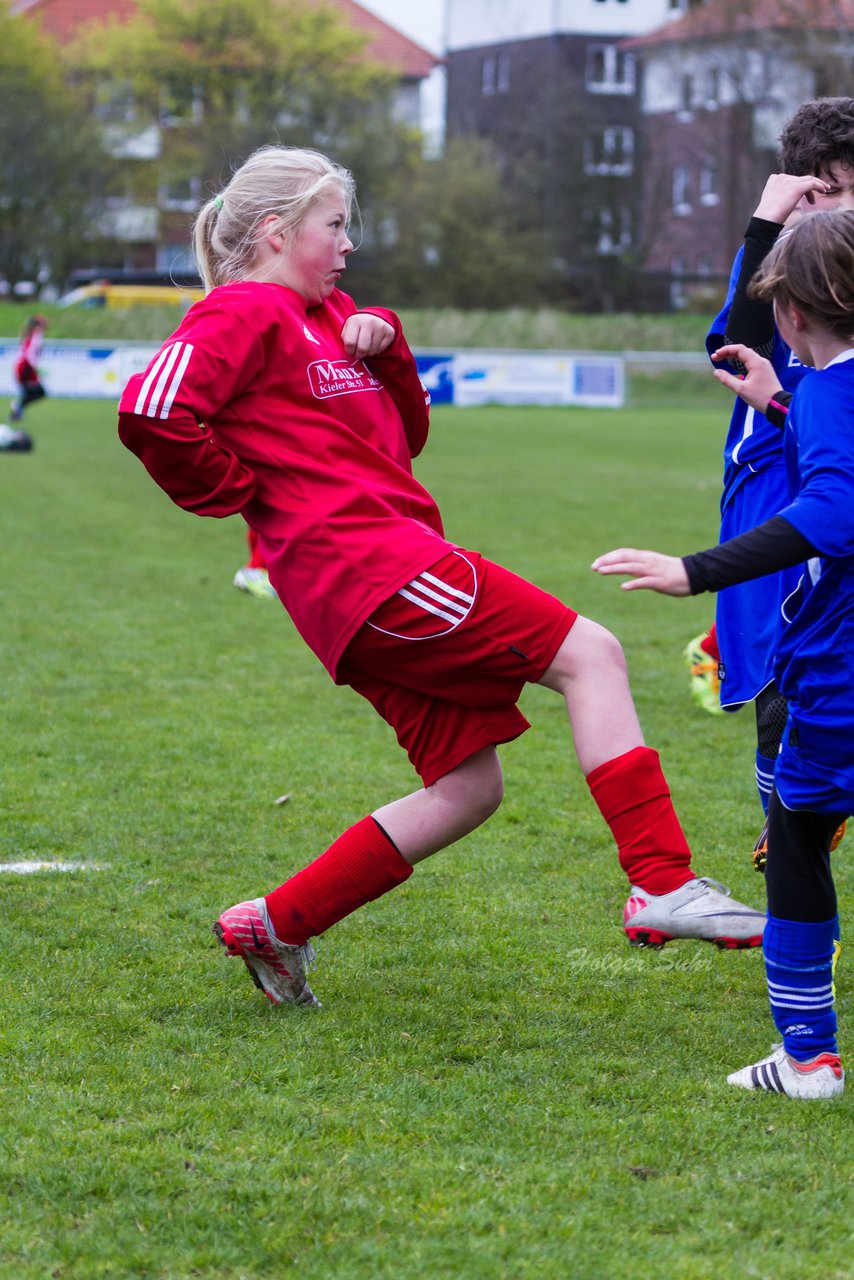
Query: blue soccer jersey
[815,656]
[755,487]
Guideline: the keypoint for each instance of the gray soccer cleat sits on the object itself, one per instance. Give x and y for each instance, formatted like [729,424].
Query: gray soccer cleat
[820,1077]
[276,968]
[701,909]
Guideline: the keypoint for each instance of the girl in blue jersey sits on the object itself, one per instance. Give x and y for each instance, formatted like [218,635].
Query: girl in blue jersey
[809,277]
[817,158]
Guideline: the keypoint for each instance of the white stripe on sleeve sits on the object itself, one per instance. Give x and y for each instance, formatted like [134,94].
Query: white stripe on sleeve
[176,381]
[154,402]
[146,386]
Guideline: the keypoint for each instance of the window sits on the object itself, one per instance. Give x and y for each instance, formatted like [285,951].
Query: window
[681,190]
[686,98]
[180,103]
[615,231]
[503,72]
[495,74]
[609,69]
[678,289]
[709,184]
[114,102]
[713,88]
[180,192]
[611,151]
[177,259]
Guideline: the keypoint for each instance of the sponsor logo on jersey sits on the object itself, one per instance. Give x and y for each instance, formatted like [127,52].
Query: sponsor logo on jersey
[310,335]
[340,378]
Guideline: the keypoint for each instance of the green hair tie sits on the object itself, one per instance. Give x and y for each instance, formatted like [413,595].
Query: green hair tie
[218,202]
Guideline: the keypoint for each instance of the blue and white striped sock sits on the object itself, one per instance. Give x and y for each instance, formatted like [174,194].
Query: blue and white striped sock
[764,779]
[799,968]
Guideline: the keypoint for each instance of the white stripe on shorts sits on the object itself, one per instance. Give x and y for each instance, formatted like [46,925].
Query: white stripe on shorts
[430,608]
[437,582]
[421,590]
[438,598]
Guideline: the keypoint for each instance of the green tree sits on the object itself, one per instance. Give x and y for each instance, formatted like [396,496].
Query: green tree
[461,235]
[53,164]
[226,76]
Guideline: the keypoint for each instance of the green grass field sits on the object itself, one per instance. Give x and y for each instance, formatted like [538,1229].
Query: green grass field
[497,1087]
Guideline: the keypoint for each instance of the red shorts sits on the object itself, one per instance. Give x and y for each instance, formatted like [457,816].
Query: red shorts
[445,659]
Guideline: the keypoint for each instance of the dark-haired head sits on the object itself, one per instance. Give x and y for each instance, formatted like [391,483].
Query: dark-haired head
[819,135]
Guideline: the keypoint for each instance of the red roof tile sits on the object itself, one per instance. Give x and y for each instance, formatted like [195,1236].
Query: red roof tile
[62,18]
[739,17]
[386,44]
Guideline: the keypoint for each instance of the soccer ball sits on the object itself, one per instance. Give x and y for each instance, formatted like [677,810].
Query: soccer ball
[12,441]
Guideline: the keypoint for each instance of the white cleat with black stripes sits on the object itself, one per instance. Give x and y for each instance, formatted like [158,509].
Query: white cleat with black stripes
[820,1077]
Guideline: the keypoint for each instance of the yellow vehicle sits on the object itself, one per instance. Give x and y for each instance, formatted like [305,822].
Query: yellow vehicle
[109,293]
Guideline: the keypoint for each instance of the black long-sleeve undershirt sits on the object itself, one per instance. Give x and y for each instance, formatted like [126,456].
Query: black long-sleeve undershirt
[769,547]
[750,321]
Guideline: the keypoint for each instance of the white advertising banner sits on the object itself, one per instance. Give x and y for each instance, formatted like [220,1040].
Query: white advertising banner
[79,370]
[520,377]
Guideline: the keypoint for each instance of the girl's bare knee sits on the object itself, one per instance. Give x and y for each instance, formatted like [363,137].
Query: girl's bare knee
[492,796]
[588,648]
[475,788]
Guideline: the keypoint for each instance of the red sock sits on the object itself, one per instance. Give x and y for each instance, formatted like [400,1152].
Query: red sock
[634,799]
[710,644]
[361,865]
[256,555]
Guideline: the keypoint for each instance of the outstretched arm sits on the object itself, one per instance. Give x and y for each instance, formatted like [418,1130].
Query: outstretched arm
[769,547]
[646,569]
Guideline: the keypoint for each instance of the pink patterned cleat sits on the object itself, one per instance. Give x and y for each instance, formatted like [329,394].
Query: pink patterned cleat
[276,968]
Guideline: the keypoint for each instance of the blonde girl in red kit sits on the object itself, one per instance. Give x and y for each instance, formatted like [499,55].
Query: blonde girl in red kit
[278,398]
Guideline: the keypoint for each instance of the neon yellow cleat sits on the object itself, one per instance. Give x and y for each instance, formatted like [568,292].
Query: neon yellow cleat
[255,582]
[705,683]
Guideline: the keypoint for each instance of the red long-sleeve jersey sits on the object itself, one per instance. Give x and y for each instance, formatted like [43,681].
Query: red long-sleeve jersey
[253,406]
[27,358]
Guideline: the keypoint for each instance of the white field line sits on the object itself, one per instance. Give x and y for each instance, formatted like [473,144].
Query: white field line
[30,868]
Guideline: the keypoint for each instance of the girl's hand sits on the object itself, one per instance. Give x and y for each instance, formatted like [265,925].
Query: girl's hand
[365,334]
[758,384]
[786,193]
[648,569]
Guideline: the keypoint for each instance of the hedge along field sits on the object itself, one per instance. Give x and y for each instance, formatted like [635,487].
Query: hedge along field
[497,1085]
[440,328]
